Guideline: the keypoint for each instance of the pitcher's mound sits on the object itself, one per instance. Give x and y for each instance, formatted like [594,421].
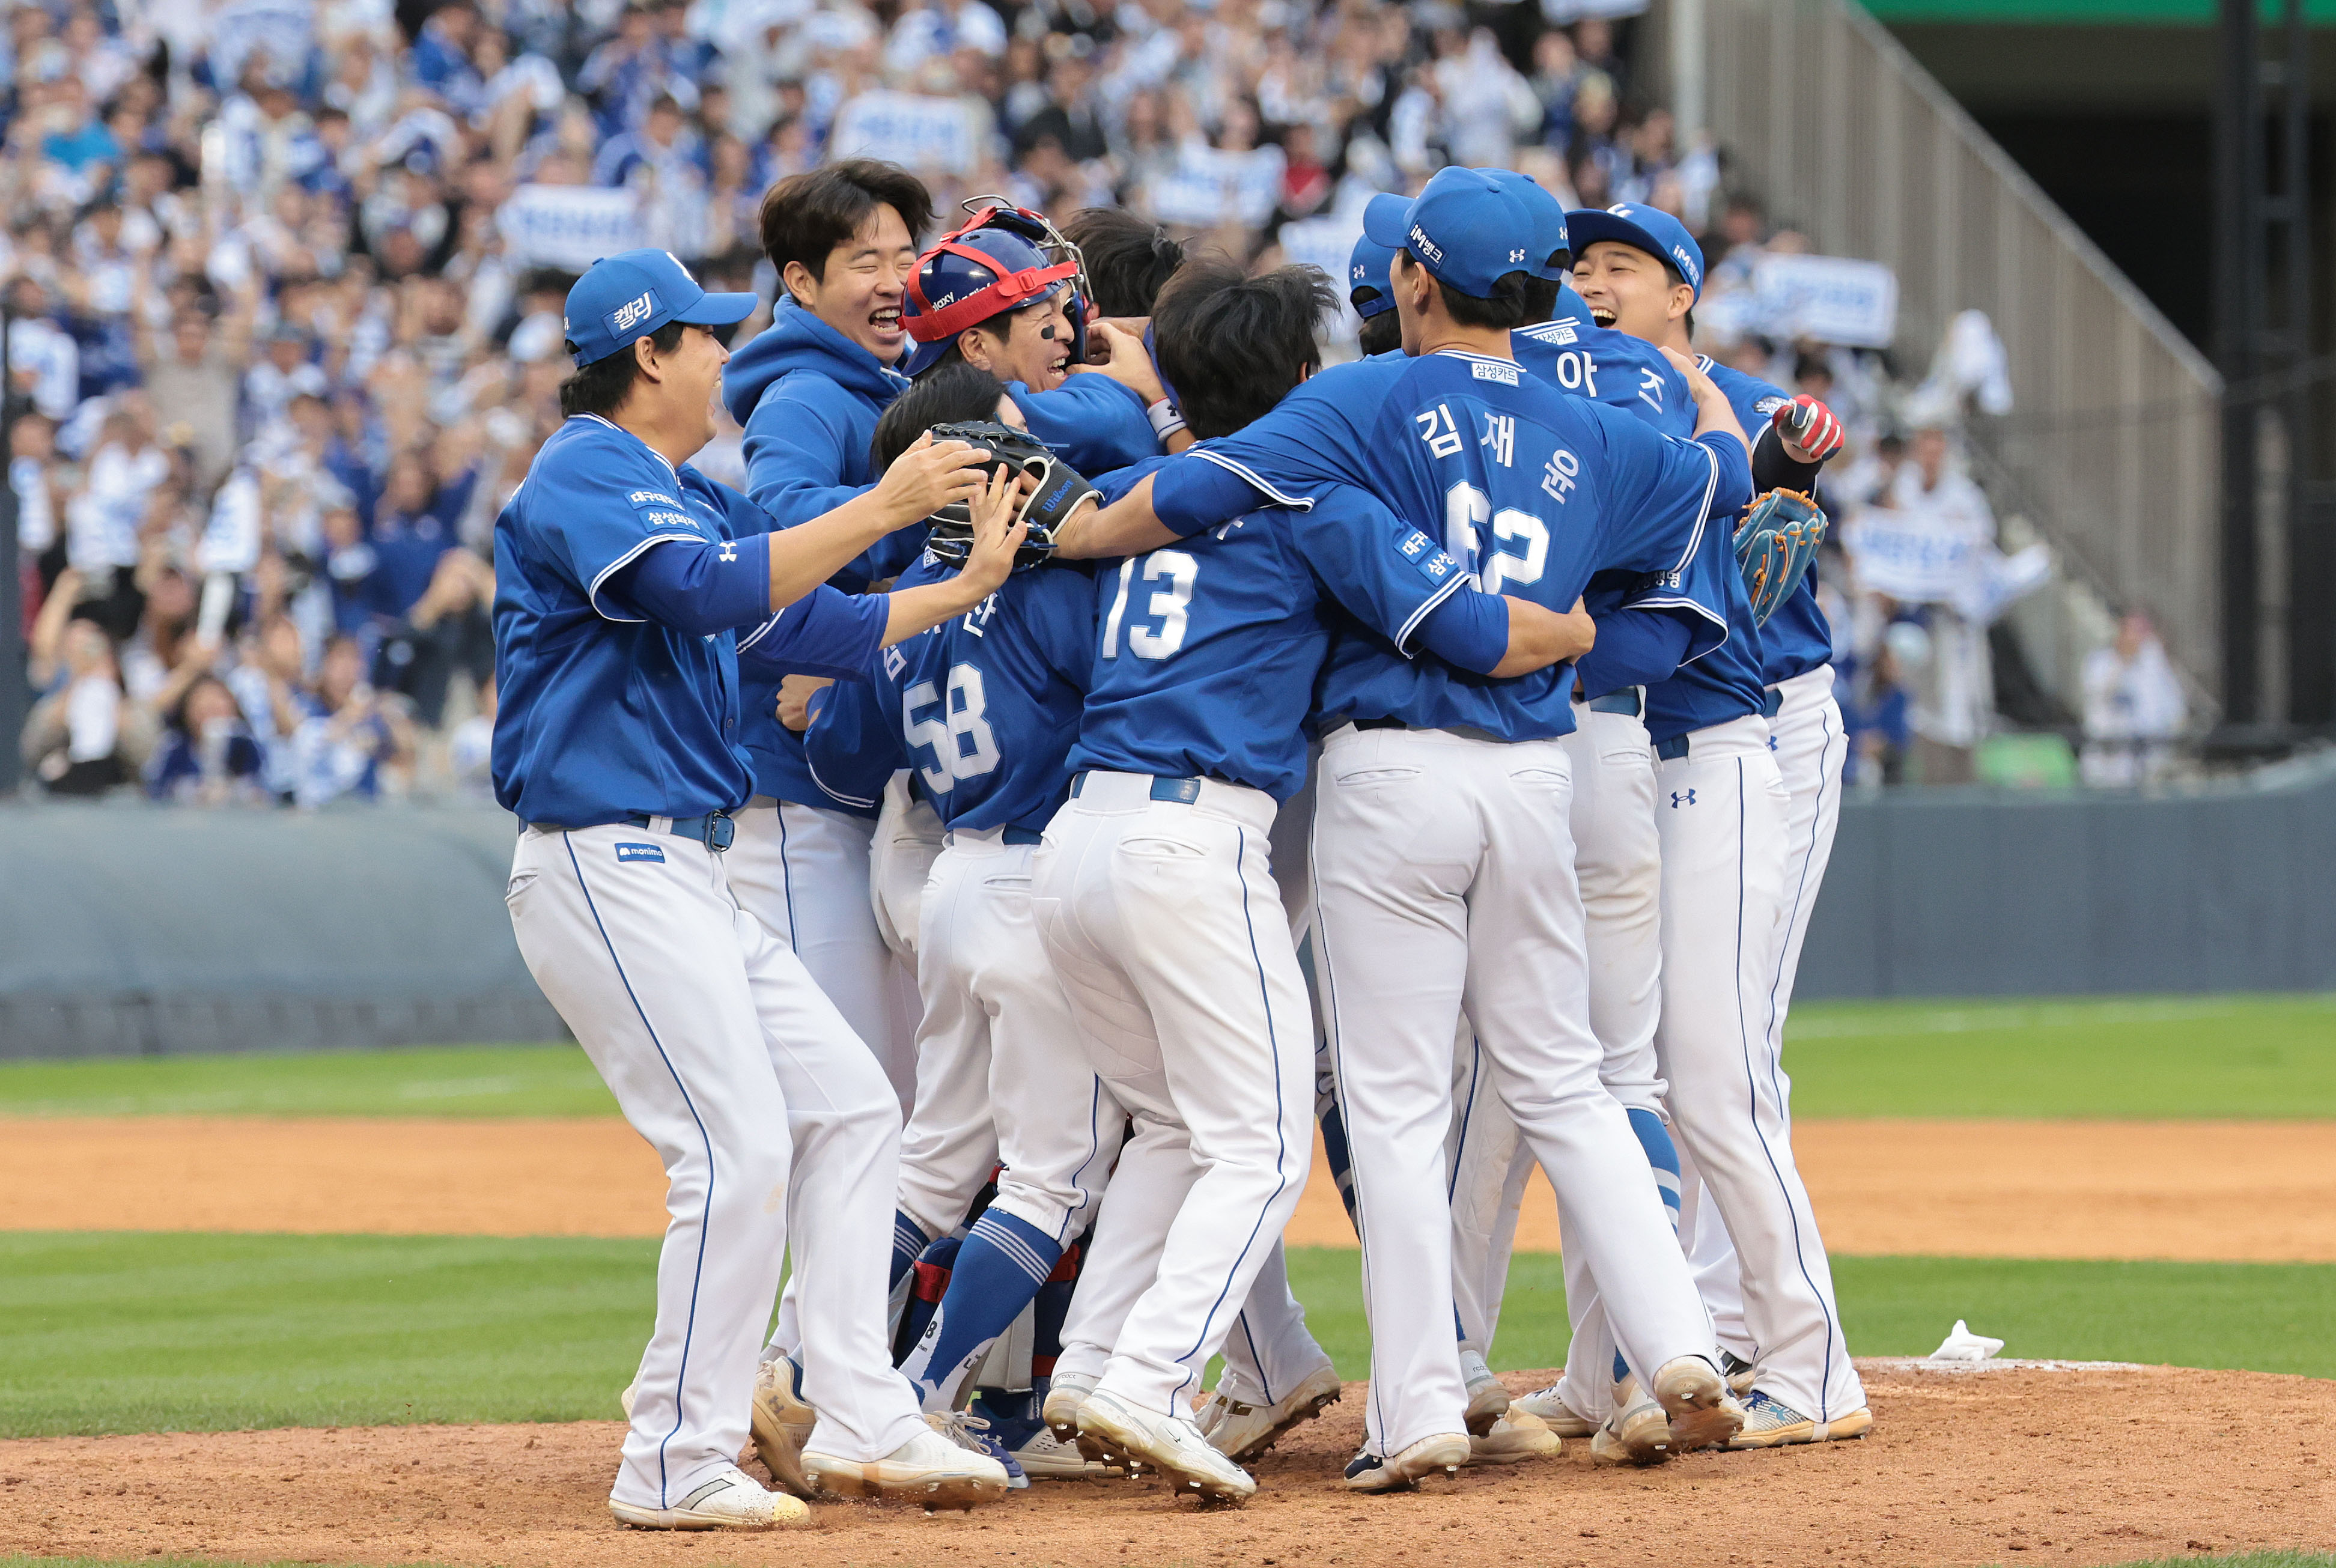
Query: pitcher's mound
[2037,1463]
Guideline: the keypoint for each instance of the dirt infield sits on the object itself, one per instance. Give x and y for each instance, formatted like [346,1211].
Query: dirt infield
[2236,1191]
[2007,1466]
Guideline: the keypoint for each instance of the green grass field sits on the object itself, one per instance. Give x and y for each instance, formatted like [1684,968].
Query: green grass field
[2140,1056]
[136,1332]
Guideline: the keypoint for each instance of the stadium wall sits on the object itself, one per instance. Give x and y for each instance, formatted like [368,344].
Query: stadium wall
[129,931]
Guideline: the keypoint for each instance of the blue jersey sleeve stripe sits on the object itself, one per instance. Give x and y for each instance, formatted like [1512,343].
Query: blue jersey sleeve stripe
[1250,477]
[827,788]
[1673,601]
[1404,634]
[1703,512]
[759,633]
[593,594]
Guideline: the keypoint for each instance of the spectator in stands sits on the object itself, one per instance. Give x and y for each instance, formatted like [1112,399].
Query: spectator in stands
[2134,708]
[207,755]
[74,742]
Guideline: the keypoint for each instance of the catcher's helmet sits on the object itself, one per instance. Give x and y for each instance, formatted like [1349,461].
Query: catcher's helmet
[1004,258]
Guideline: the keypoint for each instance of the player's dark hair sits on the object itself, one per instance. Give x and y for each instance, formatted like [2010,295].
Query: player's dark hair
[602,386]
[1509,306]
[1129,258]
[807,216]
[1232,344]
[952,394]
[1382,334]
[1541,300]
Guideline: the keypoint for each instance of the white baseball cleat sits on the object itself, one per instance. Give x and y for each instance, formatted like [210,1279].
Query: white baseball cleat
[731,1501]
[1444,1451]
[1638,1432]
[1516,1436]
[1693,1393]
[782,1424]
[1065,1392]
[1241,1431]
[1770,1423]
[1555,1414]
[1046,1457]
[928,1469]
[1486,1397]
[1169,1445]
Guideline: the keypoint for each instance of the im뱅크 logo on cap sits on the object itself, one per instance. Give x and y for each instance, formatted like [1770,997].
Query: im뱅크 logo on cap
[1427,247]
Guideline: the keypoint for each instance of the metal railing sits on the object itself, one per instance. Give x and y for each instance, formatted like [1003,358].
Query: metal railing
[2114,437]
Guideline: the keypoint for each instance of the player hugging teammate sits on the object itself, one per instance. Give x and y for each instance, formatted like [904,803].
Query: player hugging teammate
[933,827]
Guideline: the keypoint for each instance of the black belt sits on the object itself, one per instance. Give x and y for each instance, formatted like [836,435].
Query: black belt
[1025,835]
[1623,701]
[1182,790]
[1770,701]
[1671,750]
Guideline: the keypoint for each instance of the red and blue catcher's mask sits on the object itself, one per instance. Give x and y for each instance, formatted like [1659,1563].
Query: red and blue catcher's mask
[1005,259]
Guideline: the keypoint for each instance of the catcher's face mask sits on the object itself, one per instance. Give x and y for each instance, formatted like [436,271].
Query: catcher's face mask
[980,270]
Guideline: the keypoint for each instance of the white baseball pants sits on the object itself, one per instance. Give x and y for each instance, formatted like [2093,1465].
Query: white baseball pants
[1617,864]
[1723,811]
[1811,745]
[1444,882]
[1001,1072]
[1171,941]
[773,1123]
[804,874]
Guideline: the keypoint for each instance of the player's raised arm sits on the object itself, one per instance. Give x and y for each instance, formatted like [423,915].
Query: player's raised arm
[926,478]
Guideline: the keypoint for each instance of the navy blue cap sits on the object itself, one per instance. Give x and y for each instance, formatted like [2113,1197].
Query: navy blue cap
[1548,214]
[1464,228]
[1647,229]
[624,297]
[1367,267]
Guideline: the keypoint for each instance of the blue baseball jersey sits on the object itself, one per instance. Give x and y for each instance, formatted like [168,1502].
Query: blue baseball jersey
[1530,488]
[1573,354]
[1797,637]
[985,705]
[1208,650]
[1092,423]
[602,712]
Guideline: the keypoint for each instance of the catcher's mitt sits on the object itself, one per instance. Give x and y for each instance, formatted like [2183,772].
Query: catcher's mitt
[1775,544]
[1057,491]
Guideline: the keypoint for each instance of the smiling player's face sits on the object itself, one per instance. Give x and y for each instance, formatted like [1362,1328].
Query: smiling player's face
[1629,290]
[693,373]
[861,291]
[1037,351]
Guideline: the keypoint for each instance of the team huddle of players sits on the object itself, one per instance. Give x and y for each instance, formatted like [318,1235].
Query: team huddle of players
[1398,745]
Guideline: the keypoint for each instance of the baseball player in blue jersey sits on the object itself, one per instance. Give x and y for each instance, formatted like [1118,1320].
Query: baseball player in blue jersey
[1442,867]
[1157,900]
[984,710]
[623,576]
[1725,814]
[808,391]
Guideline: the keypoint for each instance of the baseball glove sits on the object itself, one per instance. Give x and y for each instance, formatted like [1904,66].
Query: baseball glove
[1775,544]
[1055,492]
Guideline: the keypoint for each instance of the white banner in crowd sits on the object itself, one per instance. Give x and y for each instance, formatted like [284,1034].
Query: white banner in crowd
[569,227]
[908,129]
[1829,298]
[1212,186]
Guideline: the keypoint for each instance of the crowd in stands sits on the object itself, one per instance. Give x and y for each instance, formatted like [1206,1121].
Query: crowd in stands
[284,281]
